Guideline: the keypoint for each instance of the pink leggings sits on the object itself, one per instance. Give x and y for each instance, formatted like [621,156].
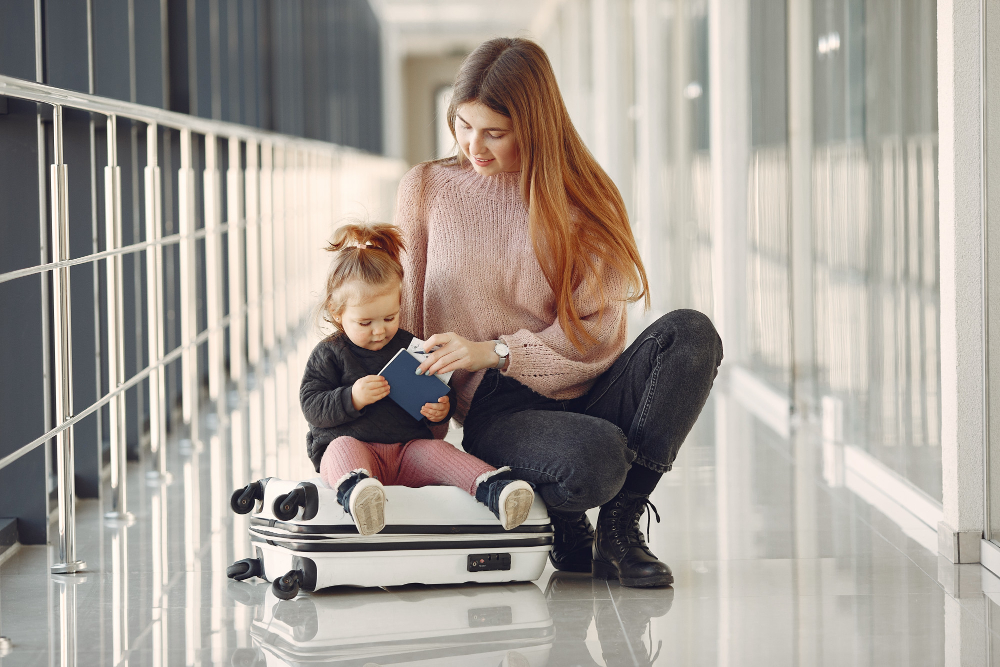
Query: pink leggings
[415,463]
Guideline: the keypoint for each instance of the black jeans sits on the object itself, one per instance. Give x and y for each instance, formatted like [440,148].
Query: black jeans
[577,452]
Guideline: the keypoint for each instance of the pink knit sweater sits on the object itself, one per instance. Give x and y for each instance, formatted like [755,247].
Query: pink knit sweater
[470,268]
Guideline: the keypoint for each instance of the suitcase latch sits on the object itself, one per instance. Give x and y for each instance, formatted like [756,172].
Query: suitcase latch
[486,562]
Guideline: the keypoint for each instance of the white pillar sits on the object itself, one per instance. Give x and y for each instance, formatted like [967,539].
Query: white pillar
[728,55]
[961,251]
[800,147]
[613,109]
[649,217]
[392,92]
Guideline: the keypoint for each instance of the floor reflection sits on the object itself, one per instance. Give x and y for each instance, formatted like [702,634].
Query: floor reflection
[620,619]
[413,625]
[488,625]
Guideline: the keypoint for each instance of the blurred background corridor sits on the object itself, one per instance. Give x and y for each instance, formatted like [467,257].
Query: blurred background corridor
[815,175]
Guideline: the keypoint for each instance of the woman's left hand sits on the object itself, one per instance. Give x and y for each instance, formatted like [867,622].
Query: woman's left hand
[455,352]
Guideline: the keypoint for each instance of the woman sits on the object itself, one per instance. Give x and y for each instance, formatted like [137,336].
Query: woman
[521,250]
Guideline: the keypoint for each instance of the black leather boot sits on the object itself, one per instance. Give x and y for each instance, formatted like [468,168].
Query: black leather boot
[572,550]
[620,550]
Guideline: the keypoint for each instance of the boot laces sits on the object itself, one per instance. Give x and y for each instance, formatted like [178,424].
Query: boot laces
[578,530]
[636,510]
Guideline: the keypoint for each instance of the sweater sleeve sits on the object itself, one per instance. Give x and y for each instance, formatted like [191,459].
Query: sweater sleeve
[325,404]
[412,220]
[546,360]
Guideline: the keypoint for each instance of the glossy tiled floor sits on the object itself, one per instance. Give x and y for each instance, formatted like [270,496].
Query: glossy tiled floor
[772,568]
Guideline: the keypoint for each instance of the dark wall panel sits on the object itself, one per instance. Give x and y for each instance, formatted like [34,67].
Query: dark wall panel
[149,53]
[170,156]
[85,304]
[67,61]
[265,63]
[111,49]
[17,39]
[202,34]
[131,154]
[22,398]
[177,57]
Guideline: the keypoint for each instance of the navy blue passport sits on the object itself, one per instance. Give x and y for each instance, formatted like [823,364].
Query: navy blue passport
[409,390]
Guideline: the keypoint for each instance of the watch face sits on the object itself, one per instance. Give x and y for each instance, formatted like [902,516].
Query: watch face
[501,350]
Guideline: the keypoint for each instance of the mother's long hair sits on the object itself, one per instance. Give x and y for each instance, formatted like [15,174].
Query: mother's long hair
[513,77]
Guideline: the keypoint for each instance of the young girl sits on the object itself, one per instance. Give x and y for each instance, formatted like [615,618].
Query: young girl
[358,438]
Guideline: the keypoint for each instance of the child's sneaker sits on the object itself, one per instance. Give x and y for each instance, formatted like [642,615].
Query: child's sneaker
[363,498]
[509,499]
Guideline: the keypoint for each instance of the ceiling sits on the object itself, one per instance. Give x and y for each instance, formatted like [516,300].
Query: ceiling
[454,26]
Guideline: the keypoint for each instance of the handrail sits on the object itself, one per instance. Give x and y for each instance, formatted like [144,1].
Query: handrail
[104,254]
[286,191]
[39,92]
[171,356]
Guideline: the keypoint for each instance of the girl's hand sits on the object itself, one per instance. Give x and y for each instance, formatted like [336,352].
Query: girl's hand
[455,352]
[436,412]
[369,389]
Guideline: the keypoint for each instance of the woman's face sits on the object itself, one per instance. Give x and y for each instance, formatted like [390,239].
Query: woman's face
[487,139]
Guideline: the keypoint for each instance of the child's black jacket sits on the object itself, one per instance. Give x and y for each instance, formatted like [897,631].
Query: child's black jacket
[333,368]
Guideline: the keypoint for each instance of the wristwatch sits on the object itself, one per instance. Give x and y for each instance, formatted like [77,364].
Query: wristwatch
[502,351]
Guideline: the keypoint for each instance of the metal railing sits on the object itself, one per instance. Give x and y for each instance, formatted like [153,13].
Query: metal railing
[283,197]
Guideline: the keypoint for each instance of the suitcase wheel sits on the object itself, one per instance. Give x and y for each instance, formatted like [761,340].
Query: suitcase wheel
[245,499]
[248,657]
[287,587]
[304,495]
[244,569]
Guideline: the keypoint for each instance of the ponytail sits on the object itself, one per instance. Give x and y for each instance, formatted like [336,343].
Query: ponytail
[366,263]
[369,236]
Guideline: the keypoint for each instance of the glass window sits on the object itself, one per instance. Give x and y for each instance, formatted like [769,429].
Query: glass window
[875,228]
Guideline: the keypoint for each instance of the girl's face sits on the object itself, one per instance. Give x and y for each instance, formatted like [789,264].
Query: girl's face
[372,324]
[487,139]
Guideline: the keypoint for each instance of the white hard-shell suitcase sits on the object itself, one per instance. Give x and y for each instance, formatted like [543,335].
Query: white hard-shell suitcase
[449,626]
[304,540]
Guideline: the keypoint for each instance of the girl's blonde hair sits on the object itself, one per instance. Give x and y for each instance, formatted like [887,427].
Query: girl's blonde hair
[513,77]
[365,265]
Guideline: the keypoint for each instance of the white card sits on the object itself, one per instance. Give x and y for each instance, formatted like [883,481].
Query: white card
[416,348]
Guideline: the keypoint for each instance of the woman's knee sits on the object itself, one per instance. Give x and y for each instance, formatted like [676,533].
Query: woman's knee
[598,471]
[693,332]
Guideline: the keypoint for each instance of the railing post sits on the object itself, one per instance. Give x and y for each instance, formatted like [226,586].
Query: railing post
[293,231]
[253,254]
[235,218]
[116,320]
[213,267]
[64,363]
[154,305]
[267,244]
[279,215]
[189,302]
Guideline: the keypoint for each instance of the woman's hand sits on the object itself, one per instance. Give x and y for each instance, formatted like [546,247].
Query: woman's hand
[369,389]
[436,412]
[455,352]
